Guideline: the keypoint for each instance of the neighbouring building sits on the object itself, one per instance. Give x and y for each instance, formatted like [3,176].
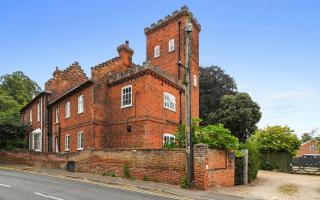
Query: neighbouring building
[122,104]
[309,149]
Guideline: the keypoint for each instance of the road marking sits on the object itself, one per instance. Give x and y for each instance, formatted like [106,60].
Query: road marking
[37,193]
[3,185]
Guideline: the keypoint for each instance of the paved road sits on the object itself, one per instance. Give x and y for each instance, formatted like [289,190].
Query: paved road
[24,186]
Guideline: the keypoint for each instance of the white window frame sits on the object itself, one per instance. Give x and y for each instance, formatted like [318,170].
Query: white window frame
[37,143]
[157,51]
[171,45]
[169,101]
[67,110]
[195,80]
[57,114]
[313,147]
[38,111]
[80,141]
[30,115]
[80,104]
[169,136]
[67,142]
[123,95]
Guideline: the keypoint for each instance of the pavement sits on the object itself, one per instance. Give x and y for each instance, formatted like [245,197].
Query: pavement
[25,182]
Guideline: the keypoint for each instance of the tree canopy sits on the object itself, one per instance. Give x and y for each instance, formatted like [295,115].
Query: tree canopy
[214,83]
[276,138]
[238,113]
[306,137]
[16,90]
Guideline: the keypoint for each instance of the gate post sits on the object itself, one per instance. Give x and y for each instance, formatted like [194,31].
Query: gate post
[245,166]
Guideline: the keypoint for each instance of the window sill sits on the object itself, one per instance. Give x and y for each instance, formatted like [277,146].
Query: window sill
[127,106]
[170,109]
[67,150]
[79,149]
[80,113]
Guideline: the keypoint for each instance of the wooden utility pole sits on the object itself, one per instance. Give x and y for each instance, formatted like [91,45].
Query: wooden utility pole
[189,146]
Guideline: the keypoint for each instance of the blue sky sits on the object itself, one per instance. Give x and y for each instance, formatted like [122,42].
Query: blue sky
[271,47]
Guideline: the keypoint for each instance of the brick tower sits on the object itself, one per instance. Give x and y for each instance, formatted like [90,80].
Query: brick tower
[165,47]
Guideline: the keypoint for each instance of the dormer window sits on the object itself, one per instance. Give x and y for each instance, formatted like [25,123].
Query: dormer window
[157,51]
[171,45]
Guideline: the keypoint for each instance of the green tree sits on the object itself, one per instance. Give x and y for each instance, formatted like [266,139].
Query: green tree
[238,113]
[276,138]
[306,137]
[16,90]
[214,83]
[12,135]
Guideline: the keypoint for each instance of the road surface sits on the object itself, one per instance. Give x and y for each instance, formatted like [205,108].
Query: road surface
[16,185]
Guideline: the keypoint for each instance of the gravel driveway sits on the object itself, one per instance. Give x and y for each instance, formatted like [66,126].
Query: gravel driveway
[278,185]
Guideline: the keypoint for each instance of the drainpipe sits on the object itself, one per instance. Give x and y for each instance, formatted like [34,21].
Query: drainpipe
[41,126]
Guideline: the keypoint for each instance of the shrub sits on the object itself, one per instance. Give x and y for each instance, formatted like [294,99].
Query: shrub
[253,160]
[267,165]
[218,137]
[145,178]
[185,182]
[126,172]
[276,138]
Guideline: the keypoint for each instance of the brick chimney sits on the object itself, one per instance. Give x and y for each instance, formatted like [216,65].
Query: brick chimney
[125,53]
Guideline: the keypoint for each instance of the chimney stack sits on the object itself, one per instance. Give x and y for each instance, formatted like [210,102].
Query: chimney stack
[125,53]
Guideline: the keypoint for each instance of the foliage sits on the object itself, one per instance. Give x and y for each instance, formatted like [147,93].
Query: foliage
[112,174]
[214,83]
[16,90]
[238,113]
[306,137]
[268,165]
[218,137]
[12,135]
[276,138]
[180,135]
[126,172]
[145,178]
[169,145]
[253,159]
[185,182]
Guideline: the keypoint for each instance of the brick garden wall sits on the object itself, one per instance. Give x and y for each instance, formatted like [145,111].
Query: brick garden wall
[211,167]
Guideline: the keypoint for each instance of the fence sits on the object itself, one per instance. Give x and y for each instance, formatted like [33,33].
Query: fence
[306,165]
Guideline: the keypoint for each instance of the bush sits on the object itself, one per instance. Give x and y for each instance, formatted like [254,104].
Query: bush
[126,172]
[276,138]
[253,160]
[267,165]
[217,137]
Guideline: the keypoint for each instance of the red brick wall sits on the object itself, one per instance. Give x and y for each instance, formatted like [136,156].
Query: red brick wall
[156,165]
[25,117]
[212,167]
[77,122]
[305,148]
[168,60]
[161,165]
[65,80]
[148,118]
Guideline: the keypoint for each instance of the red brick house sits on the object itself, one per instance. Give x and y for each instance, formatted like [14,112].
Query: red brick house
[309,149]
[122,105]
